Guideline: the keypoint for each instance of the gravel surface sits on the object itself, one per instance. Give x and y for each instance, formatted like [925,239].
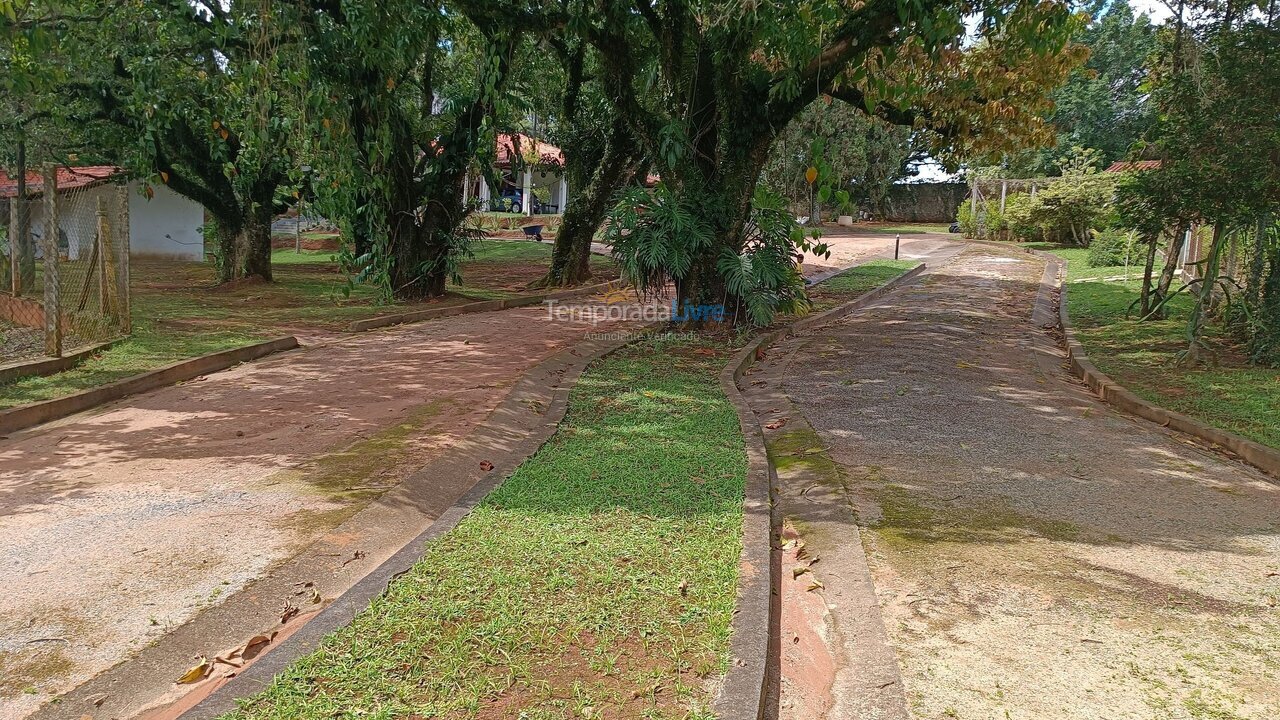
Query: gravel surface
[20,343]
[1036,554]
[122,523]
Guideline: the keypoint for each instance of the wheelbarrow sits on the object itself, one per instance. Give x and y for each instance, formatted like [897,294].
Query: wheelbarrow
[533,231]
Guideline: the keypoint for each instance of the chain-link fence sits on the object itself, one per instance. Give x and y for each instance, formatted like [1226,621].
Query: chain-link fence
[66,266]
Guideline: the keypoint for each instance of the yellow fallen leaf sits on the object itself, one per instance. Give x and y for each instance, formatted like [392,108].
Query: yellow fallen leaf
[196,673]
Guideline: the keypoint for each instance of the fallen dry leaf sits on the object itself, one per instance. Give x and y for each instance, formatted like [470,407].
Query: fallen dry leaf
[798,571]
[816,585]
[776,424]
[486,466]
[197,672]
[256,645]
[288,611]
[684,587]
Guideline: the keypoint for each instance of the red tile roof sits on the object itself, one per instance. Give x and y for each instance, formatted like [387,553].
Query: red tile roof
[68,178]
[1133,166]
[511,144]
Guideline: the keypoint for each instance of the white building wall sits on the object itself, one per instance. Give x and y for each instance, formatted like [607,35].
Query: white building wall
[166,226]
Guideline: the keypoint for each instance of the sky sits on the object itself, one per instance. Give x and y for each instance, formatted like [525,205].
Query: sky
[1156,9]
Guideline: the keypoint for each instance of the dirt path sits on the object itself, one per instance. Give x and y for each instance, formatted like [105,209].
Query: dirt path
[122,524]
[1035,555]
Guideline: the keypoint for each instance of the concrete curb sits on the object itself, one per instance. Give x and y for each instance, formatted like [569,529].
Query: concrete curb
[48,366]
[755,643]
[25,416]
[1260,456]
[563,369]
[481,306]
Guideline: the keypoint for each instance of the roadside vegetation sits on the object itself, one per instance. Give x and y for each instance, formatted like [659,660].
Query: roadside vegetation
[598,581]
[179,312]
[1229,392]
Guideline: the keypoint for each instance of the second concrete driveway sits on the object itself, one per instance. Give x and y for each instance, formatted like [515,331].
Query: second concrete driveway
[1033,554]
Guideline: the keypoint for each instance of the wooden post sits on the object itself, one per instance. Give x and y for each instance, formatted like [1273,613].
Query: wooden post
[1004,192]
[15,271]
[49,241]
[103,229]
[1033,190]
[122,270]
[973,200]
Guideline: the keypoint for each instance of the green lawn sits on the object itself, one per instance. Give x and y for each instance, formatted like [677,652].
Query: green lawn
[178,313]
[856,281]
[1139,355]
[599,581]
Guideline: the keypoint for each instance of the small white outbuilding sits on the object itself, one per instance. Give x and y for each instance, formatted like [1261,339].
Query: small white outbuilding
[162,223]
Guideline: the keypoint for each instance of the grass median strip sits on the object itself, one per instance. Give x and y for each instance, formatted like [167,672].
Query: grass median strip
[856,281]
[598,581]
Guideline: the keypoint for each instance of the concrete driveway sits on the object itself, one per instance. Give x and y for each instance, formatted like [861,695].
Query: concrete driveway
[122,524]
[1024,551]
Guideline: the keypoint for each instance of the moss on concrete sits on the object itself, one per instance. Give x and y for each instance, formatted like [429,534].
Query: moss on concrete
[912,518]
[23,674]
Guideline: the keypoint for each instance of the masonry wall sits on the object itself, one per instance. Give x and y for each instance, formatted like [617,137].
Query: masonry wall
[924,202]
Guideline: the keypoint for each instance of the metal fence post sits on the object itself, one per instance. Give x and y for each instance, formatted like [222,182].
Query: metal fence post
[49,243]
[122,267]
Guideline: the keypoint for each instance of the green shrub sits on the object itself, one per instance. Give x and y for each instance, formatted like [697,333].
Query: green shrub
[1019,211]
[1068,210]
[964,216]
[1112,247]
[990,219]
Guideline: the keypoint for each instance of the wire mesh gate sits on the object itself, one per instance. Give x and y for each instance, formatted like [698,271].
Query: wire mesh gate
[65,262]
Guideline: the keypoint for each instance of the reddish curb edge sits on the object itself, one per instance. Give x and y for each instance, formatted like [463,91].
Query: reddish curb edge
[754,642]
[481,306]
[1256,454]
[48,366]
[36,413]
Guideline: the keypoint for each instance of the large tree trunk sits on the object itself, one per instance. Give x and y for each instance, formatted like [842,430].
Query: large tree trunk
[571,256]
[421,238]
[228,234]
[244,246]
[728,204]
[256,241]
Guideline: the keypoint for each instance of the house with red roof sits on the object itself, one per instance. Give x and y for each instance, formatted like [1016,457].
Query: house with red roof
[532,178]
[162,223]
